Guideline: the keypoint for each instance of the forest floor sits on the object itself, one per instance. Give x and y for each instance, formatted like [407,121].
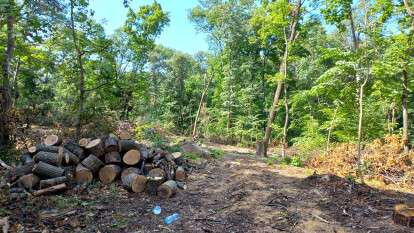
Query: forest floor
[236,193]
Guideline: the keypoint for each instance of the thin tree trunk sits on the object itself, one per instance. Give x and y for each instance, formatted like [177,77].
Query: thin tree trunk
[405,111]
[5,98]
[282,69]
[361,111]
[203,95]
[285,127]
[79,55]
[393,120]
[15,87]
[328,140]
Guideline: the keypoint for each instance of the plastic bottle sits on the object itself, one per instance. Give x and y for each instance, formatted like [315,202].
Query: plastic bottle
[172,218]
[156,210]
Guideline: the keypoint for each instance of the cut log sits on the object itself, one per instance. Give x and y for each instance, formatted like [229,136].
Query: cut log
[156,172]
[52,182]
[180,174]
[43,147]
[113,158]
[403,215]
[83,142]
[52,189]
[46,170]
[128,171]
[26,158]
[109,173]
[93,163]
[111,143]
[132,157]
[167,189]
[152,184]
[96,147]
[135,183]
[29,181]
[19,171]
[73,147]
[52,140]
[49,157]
[83,174]
[124,135]
[126,145]
[69,158]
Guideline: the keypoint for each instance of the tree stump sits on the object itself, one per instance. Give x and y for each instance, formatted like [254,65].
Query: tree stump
[132,157]
[96,147]
[83,174]
[180,174]
[46,170]
[52,140]
[93,163]
[113,158]
[49,190]
[403,215]
[128,171]
[52,182]
[83,142]
[109,173]
[126,145]
[73,147]
[48,157]
[134,182]
[111,143]
[167,189]
[152,184]
[28,181]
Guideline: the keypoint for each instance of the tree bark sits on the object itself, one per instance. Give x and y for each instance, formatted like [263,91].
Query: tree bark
[5,98]
[79,57]
[405,111]
[282,69]
[285,127]
[203,95]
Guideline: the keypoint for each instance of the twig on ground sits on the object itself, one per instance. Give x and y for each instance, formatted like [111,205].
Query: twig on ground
[3,164]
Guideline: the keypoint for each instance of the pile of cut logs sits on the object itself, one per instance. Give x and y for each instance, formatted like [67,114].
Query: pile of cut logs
[55,166]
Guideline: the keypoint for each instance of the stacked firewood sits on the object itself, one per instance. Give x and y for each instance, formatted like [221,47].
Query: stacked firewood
[55,165]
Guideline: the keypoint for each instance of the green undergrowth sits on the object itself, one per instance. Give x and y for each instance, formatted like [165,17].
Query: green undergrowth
[296,160]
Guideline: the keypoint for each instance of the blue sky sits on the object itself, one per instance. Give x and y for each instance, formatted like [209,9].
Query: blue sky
[180,34]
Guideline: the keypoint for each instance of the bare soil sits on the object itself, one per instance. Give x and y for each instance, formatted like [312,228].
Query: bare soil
[237,193]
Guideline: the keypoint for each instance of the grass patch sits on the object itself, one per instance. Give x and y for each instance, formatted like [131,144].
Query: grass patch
[217,153]
[119,221]
[65,202]
[192,156]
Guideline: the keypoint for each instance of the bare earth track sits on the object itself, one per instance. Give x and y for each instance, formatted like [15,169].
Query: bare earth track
[233,194]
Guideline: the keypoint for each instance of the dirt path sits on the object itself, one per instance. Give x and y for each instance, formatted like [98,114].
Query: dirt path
[234,194]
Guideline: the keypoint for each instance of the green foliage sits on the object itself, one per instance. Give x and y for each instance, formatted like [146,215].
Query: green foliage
[192,156]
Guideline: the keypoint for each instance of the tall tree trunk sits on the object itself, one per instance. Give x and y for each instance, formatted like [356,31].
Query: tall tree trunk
[393,120]
[203,95]
[361,111]
[285,127]
[15,86]
[5,98]
[79,56]
[405,111]
[282,69]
